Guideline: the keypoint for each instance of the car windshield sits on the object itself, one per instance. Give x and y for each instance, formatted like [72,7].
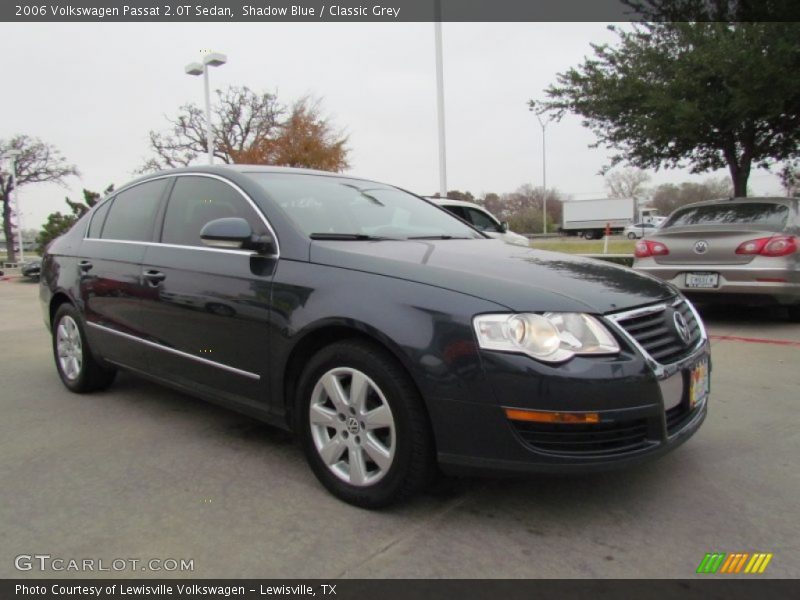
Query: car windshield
[760,214]
[327,207]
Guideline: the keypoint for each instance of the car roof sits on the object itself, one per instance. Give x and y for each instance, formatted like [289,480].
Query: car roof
[453,202]
[244,169]
[743,200]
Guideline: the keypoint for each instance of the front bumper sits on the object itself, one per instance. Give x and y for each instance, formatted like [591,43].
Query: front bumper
[644,411]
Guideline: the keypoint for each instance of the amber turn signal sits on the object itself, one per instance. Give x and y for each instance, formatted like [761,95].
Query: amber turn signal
[516,414]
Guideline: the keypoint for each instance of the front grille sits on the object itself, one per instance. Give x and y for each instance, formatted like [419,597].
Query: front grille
[656,332]
[584,439]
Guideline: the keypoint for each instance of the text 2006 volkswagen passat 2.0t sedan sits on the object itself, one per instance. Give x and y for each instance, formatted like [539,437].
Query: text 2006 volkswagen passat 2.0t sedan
[388,334]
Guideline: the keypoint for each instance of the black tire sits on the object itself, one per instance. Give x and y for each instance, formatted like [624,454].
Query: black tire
[588,235]
[91,374]
[632,236]
[413,465]
[794,313]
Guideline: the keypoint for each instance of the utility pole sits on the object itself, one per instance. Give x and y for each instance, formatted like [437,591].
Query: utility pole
[543,124]
[440,99]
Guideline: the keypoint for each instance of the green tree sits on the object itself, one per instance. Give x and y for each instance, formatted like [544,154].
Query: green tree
[58,223]
[707,95]
[35,162]
[790,179]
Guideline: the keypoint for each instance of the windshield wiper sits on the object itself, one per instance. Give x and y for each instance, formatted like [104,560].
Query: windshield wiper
[439,237]
[358,237]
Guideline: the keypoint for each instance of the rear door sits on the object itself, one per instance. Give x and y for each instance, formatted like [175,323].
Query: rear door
[111,288]
[208,312]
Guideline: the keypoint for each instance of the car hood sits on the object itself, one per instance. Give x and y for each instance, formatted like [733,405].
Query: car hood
[520,279]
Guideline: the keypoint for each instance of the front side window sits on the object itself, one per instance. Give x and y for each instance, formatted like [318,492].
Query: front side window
[133,212]
[196,201]
[329,206]
[457,211]
[481,220]
[756,214]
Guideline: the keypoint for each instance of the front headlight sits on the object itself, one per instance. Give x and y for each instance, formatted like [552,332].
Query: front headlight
[551,337]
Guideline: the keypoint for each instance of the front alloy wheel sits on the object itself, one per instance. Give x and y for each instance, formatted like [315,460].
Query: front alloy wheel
[363,425]
[352,426]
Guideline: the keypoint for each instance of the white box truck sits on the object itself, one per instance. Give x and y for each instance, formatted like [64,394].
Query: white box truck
[589,218]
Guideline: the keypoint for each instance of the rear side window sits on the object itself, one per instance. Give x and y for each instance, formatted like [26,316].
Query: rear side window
[197,200]
[760,214]
[133,212]
[98,218]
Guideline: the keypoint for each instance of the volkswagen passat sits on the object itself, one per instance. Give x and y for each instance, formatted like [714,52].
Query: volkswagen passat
[389,335]
[742,250]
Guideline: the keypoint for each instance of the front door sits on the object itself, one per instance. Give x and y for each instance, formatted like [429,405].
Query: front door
[209,316]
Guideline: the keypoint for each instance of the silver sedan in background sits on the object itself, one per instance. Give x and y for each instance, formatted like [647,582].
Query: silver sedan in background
[742,250]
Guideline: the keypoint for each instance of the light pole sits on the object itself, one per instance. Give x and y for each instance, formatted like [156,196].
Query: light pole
[440,98]
[13,153]
[543,124]
[212,59]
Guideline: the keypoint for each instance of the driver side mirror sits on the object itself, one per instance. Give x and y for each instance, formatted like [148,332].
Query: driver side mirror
[234,233]
[504,227]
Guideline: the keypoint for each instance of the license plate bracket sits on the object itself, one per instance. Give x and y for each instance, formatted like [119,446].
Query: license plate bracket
[699,383]
[702,280]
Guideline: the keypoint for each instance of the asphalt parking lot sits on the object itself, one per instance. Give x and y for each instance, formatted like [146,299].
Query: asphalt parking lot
[143,472]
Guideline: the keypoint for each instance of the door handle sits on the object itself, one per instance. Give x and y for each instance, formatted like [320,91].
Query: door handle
[154,277]
[85,265]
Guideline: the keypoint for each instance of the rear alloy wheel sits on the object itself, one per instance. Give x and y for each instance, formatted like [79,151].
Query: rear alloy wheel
[76,365]
[363,426]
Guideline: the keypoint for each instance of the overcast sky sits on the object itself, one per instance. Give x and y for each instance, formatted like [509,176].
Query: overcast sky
[95,90]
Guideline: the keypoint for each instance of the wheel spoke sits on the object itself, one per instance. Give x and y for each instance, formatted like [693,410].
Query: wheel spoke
[378,417]
[358,392]
[332,450]
[322,416]
[358,467]
[333,387]
[379,454]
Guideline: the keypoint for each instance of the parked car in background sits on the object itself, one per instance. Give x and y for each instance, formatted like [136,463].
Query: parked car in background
[742,250]
[481,219]
[31,268]
[638,230]
[386,333]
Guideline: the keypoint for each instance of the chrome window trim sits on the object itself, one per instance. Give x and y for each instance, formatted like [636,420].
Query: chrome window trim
[660,369]
[157,346]
[244,195]
[202,248]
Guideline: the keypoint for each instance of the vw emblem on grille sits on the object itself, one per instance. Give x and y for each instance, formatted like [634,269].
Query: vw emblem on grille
[681,327]
[701,246]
